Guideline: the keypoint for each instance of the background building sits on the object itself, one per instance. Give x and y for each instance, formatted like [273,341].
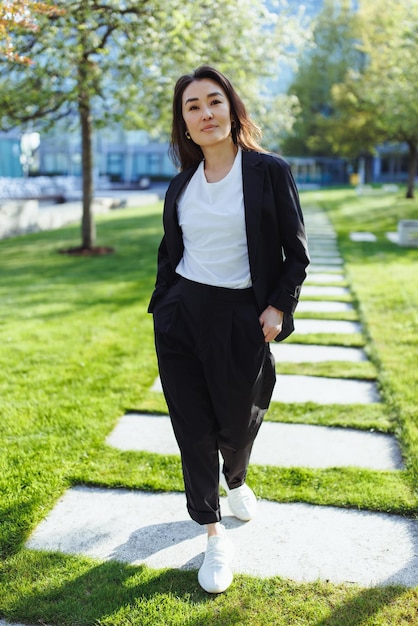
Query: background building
[127,158]
[120,157]
[10,154]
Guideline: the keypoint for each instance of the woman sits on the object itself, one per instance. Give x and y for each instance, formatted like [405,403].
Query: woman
[230,268]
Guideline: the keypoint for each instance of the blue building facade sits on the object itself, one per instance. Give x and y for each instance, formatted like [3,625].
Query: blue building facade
[10,165]
[124,158]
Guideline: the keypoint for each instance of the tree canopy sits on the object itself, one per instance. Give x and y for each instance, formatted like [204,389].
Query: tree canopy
[381,100]
[357,88]
[103,61]
[323,64]
[17,16]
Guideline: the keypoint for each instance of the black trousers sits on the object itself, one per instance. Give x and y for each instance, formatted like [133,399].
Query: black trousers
[217,374]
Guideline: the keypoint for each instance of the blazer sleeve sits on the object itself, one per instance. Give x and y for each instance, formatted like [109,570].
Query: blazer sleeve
[165,274]
[171,246]
[285,294]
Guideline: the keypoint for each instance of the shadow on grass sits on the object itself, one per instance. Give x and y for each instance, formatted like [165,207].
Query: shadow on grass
[62,590]
[68,590]
[360,609]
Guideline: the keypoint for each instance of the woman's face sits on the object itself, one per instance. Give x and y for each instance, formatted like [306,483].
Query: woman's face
[206,113]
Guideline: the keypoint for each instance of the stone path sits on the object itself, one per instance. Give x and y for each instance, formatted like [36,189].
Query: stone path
[299,541]
[294,444]
[320,390]
[299,353]
[19,216]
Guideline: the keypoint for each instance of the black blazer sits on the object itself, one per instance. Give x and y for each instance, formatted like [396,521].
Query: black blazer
[277,247]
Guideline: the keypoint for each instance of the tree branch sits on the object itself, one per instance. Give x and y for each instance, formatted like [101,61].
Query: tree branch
[39,113]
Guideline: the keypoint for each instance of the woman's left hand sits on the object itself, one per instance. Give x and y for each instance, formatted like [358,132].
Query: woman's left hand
[271,321]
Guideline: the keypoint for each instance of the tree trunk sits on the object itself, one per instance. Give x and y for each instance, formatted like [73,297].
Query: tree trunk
[368,169]
[412,168]
[88,230]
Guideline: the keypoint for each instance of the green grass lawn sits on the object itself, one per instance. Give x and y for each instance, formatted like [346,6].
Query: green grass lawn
[77,352]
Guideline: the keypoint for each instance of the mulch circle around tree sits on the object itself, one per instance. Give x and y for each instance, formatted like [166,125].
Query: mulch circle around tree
[80,251]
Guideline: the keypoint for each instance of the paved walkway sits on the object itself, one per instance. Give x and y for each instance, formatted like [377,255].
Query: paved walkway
[299,541]
[18,216]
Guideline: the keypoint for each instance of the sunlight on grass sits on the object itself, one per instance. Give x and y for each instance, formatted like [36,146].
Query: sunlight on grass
[69,590]
[77,352]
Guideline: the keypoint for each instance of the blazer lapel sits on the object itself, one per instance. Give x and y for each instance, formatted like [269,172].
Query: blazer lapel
[253,183]
[173,193]
[174,239]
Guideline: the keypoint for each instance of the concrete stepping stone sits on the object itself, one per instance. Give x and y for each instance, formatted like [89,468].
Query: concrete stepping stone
[324,250]
[321,233]
[322,390]
[363,236]
[318,221]
[321,277]
[305,353]
[335,261]
[318,238]
[324,290]
[306,326]
[322,306]
[393,237]
[317,215]
[318,389]
[277,444]
[316,235]
[332,260]
[320,230]
[328,249]
[321,236]
[322,267]
[297,541]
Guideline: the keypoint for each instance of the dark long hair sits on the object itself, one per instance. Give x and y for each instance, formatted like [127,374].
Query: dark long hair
[184,152]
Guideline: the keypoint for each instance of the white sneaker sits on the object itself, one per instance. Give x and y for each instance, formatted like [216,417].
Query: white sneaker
[215,574]
[242,502]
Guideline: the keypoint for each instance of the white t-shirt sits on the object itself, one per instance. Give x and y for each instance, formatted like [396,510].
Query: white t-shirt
[212,220]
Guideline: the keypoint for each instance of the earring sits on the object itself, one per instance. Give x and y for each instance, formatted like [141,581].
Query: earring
[187,134]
